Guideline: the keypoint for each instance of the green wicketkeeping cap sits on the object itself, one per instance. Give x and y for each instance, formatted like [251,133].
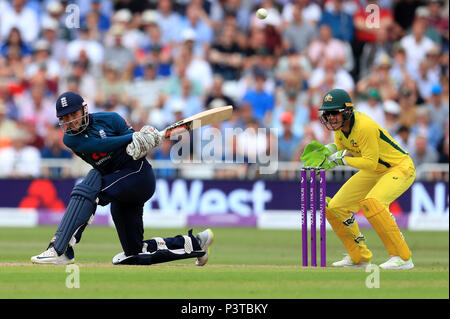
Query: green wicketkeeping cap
[336,99]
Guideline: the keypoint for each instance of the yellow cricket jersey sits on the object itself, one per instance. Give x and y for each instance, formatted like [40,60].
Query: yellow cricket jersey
[372,147]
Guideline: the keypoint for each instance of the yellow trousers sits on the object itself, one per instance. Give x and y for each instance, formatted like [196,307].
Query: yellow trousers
[372,193]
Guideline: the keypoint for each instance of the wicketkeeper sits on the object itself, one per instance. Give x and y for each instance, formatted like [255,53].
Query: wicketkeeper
[121,176]
[385,172]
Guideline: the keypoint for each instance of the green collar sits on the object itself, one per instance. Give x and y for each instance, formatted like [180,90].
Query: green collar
[352,122]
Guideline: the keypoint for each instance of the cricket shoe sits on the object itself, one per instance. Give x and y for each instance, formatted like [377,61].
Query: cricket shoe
[205,239]
[395,262]
[347,262]
[50,256]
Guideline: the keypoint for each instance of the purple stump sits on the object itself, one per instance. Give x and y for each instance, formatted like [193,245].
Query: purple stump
[323,229]
[313,212]
[304,216]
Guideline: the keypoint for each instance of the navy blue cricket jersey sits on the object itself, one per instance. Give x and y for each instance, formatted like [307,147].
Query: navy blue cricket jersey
[103,143]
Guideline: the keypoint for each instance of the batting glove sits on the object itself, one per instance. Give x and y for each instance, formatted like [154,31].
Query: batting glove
[138,147]
[152,135]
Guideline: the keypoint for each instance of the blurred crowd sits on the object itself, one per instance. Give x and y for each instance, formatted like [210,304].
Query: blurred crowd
[156,62]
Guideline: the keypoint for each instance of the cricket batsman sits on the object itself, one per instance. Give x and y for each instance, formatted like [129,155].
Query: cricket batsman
[121,176]
[385,172]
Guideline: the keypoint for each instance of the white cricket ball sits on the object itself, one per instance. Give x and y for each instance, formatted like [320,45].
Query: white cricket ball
[261,13]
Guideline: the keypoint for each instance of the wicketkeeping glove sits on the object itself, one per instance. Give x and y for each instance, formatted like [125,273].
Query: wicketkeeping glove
[335,159]
[315,153]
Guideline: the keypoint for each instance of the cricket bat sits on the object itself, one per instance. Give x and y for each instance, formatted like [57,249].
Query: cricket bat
[193,122]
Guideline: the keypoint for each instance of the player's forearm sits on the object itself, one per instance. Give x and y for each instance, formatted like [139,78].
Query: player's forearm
[104,145]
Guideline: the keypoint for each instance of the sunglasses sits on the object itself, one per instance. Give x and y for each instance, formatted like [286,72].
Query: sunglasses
[332,113]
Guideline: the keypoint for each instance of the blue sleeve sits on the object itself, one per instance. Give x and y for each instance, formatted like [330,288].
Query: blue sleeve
[271,101]
[82,144]
[350,29]
[121,126]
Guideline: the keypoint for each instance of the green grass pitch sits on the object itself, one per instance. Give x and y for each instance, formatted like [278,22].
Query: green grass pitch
[244,263]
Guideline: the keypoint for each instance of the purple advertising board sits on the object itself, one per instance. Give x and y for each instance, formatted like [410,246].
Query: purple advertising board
[226,202]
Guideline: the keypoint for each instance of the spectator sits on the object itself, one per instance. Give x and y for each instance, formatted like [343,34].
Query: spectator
[147,91]
[437,108]
[114,104]
[117,52]
[197,68]
[291,98]
[326,48]
[95,13]
[443,145]
[422,14]
[365,33]
[372,53]
[22,17]
[416,45]
[261,102]
[424,80]
[407,102]
[197,20]
[154,49]
[7,99]
[235,9]
[422,152]
[434,65]
[7,127]
[14,41]
[83,45]
[311,11]
[251,145]
[400,70]
[404,138]
[112,83]
[37,108]
[372,107]
[50,28]
[340,22]
[291,38]
[404,12]
[288,142]
[425,127]
[216,97]
[391,115]
[42,61]
[191,104]
[20,160]
[225,56]
[438,20]
[79,76]
[169,22]
[330,75]
[296,63]
[379,79]
[174,83]
[54,149]
[55,10]
[132,36]
[163,153]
